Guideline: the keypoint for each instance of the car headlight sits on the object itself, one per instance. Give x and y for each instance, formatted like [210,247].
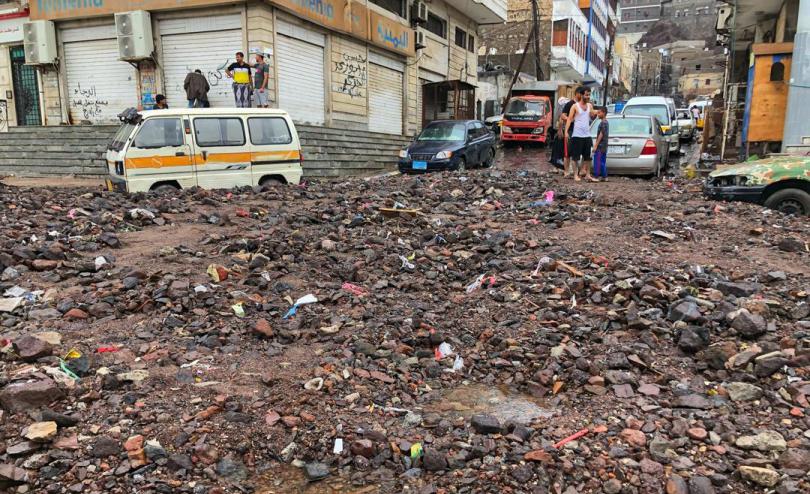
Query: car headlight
[506,130]
[403,153]
[538,130]
[444,155]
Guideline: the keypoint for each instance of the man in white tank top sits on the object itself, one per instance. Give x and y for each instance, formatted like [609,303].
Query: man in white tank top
[580,144]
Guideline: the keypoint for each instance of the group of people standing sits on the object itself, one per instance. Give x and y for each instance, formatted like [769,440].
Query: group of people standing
[575,145]
[249,85]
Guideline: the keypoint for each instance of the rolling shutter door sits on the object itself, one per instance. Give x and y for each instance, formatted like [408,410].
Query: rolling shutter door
[206,43]
[301,80]
[99,86]
[385,95]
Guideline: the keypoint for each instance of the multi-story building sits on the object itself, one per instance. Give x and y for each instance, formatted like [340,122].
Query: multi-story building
[696,17]
[333,63]
[581,39]
[637,16]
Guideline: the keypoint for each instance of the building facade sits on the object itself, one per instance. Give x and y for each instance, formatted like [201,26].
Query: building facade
[696,17]
[582,42]
[333,63]
[638,16]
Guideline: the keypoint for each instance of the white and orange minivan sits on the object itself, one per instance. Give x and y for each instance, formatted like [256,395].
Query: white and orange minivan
[212,148]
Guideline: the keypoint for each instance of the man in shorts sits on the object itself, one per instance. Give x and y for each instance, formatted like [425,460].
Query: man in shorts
[564,128]
[581,143]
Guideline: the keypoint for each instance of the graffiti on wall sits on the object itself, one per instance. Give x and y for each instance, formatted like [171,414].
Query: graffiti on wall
[352,75]
[87,102]
[219,82]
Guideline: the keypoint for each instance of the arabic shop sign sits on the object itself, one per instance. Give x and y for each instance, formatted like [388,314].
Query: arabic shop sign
[77,9]
[356,19]
[11,29]
[346,16]
[391,34]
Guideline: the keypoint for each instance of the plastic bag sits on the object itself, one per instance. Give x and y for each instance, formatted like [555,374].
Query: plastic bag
[443,350]
[306,299]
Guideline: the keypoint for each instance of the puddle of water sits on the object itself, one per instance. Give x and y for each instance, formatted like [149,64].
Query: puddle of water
[287,479]
[505,404]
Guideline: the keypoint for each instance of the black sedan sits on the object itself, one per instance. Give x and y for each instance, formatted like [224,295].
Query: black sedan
[449,145]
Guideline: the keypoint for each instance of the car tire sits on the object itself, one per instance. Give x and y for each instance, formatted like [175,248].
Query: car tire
[165,189]
[462,166]
[269,183]
[490,159]
[790,201]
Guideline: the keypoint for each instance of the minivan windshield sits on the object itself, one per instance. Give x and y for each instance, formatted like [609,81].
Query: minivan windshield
[117,143]
[443,131]
[525,107]
[659,111]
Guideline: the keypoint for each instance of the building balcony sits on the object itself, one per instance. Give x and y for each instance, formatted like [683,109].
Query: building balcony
[481,11]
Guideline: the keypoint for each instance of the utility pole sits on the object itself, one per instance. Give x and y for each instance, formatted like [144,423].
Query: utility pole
[608,71]
[538,71]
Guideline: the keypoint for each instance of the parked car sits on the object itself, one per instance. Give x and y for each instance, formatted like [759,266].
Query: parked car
[779,182]
[212,148]
[661,108]
[686,124]
[493,123]
[449,145]
[636,145]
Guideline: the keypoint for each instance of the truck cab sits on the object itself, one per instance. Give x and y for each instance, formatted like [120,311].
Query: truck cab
[527,118]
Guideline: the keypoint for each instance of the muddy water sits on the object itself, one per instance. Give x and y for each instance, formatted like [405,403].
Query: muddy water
[287,479]
[501,401]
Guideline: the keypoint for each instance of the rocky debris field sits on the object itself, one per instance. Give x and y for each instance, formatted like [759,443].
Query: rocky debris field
[448,333]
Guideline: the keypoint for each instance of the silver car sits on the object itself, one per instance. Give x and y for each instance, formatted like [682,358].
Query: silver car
[636,145]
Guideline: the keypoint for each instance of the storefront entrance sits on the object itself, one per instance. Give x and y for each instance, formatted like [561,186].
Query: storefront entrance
[26,89]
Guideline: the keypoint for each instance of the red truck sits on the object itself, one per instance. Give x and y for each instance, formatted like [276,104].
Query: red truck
[529,114]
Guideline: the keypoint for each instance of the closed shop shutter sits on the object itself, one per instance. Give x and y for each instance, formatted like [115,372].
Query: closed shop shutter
[99,86]
[206,43]
[301,79]
[385,96]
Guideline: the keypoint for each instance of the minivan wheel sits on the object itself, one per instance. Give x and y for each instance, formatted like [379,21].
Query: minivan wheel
[462,166]
[790,201]
[165,189]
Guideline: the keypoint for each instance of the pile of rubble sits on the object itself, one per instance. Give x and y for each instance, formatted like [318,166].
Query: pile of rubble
[446,333]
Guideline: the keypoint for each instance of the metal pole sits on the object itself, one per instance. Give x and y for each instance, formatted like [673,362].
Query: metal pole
[538,71]
[588,46]
[608,71]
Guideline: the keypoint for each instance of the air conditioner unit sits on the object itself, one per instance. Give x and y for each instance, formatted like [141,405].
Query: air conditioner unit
[39,42]
[420,11]
[725,15]
[420,40]
[134,32]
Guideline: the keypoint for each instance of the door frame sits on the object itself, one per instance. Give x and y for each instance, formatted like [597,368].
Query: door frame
[17,85]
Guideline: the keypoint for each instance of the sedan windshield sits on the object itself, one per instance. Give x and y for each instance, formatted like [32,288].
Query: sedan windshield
[659,111]
[684,115]
[524,107]
[626,127]
[444,131]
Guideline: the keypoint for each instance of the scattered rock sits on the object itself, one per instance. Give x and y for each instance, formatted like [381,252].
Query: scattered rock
[764,441]
[760,476]
[41,432]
